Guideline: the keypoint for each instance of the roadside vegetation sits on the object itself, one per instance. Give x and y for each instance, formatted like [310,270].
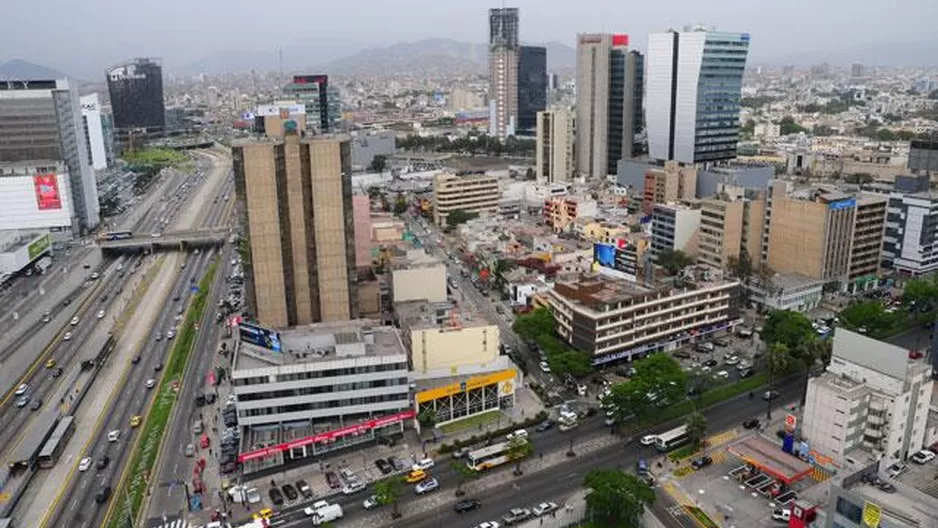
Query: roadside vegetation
[538,328]
[146,165]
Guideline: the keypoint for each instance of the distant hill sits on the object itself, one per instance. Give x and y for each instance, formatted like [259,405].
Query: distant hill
[21,69]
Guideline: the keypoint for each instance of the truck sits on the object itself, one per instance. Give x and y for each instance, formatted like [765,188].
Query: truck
[327,513]
[43,265]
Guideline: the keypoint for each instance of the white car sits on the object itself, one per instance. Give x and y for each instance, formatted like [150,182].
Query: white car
[95,275]
[424,464]
[427,486]
[923,457]
[648,440]
[731,360]
[781,515]
[151,383]
[489,524]
[544,367]
[544,508]
[67,336]
[114,435]
[520,433]
[74,320]
[21,390]
[85,464]
[100,314]
[371,502]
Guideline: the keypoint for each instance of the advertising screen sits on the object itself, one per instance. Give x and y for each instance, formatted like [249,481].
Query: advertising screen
[260,336]
[604,255]
[47,192]
[615,261]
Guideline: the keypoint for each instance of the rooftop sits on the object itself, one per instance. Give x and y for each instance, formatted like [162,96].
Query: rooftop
[872,354]
[914,503]
[596,290]
[421,315]
[322,342]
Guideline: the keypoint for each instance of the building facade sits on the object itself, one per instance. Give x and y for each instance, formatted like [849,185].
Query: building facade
[504,51]
[298,200]
[41,124]
[25,209]
[615,319]
[561,212]
[911,231]
[554,156]
[136,93]
[532,87]
[321,102]
[721,231]
[94,131]
[694,90]
[608,108]
[672,183]
[674,228]
[474,193]
[366,146]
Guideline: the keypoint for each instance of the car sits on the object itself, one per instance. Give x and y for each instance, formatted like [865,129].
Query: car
[770,395]
[135,420]
[426,486]
[170,334]
[897,469]
[371,502]
[543,426]
[100,314]
[424,464]
[354,486]
[333,480]
[50,364]
[781,514]
[67,336]
[648,440]
[467,505]
[916,354]
[923,457]
[488,524]
[520,433]
[103,495]
[266,513]
[21,390]
[516,515]
[158,336]
[416,476]
[66,302]
[95,275]
[396,463]
[150,383]
[304,489]
[158,367]
[462,451]
[731,360]
[701,462]
[752,424]
[103,462]
[56,372]
[37,403]
[681,354]
[74,321]
[22,401]
[190,450]
[84,465]
[114,435]
[290,492]
[383,466]
[276,497]
[886,487]
[544,508]
[544,367]
[711,363]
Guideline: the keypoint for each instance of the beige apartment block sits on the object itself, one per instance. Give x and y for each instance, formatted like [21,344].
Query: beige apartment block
[554,159]
[721,231]
[671,183]
[444,337]
[474,193]
[868,232]
[297,198]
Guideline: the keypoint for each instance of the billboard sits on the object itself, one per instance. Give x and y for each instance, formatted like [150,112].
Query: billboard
[47,192]
[260,336]
[22,205]
[39,246]
[619,260]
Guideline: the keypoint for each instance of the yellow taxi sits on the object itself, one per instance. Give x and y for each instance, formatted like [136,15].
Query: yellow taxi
[416,476]
[266,513]
[51,363]
[135,420]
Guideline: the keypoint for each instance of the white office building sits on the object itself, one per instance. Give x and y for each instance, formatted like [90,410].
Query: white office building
[694,86]
[872,403]
[674,227]
[94,132]
[911,232]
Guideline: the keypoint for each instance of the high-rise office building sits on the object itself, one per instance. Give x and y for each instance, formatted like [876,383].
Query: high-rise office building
[136,91]
[40,121]
[554,158]
[321,101]
[694,88]
[94,130]
[297,195]
[504,51]
[609,102]
[532,87]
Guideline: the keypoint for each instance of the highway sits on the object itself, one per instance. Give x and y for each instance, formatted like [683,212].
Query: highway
[552,484]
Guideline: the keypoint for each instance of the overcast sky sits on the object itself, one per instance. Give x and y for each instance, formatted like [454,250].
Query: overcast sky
[93,33]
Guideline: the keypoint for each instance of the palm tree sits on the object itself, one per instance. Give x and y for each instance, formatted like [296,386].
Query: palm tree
[696,428]
[388,491]
[465,474]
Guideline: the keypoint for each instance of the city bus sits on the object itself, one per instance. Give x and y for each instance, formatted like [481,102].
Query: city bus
[489,457]
[53,447]
[116,235]
[674,438]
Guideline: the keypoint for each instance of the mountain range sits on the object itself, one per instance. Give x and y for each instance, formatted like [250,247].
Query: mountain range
[21,69]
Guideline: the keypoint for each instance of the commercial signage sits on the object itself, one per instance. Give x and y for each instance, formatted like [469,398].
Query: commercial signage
[620,40]
[281,111]
[260,336]
[615,260]
[791,421]
[472,383]
[843,204]
[39,246]
[872,514]
[47,192]
[329,436]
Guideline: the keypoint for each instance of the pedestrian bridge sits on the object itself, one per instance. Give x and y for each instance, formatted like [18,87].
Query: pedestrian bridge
[172,241]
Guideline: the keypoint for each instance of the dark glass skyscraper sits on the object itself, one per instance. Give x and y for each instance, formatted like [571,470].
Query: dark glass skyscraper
[532,86]
[136,91]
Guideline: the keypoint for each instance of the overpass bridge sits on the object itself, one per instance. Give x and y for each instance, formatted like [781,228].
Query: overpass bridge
[172,241]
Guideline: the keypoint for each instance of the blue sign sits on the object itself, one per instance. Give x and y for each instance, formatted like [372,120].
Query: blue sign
[260,336]
[843,204]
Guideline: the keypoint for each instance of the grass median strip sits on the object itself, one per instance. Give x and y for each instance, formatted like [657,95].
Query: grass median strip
[131,492]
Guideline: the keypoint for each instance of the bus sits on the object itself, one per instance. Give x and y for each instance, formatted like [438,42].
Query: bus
[116,235]
[53,447]
[489,457]
[674,438]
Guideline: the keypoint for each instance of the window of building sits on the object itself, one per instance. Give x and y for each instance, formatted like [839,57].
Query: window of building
[849,510]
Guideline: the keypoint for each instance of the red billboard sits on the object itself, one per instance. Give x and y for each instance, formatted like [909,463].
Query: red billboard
[47,192]
[620,40]
[328,436]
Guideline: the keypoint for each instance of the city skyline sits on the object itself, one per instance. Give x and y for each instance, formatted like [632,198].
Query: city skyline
[180,34]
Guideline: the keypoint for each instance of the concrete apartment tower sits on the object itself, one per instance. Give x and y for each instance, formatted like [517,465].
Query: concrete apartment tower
[298,199]
[609,102]
[554,159]
[504,54]
[695,80]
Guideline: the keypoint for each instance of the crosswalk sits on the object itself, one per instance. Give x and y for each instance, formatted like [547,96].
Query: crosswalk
[178,523]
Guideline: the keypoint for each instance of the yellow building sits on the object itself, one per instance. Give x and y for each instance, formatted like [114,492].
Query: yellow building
[459,397]
[443,338]
[474,193]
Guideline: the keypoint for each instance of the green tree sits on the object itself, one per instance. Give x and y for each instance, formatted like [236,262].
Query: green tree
[459,216]
[573,362]
[658,380]
[674,260]
[388,491]
[869,316]
[920,291]
[518,449]
[696,428]
[777,359]
[533,324]
[822,131]
[788,126]
[905,135]
[378,163]
[616,498]
[400,204]
[787,327]
[427,418]
[884,134]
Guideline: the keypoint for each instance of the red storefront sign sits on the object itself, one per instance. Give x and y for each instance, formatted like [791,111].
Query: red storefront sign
[328,436]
